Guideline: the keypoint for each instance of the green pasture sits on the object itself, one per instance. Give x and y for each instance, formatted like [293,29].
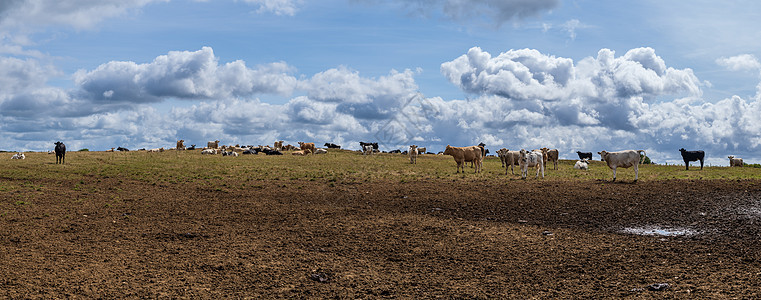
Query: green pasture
[334,167]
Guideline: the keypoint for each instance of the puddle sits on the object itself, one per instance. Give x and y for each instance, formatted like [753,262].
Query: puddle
[660,231]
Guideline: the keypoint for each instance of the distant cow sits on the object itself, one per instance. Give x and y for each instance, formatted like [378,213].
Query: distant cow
[623,159]
[60,152]
[551,155]
[301,152]
[421,150]
[584,155]
[689,156]
[581,165]
[413,154]
[122,149]
[18,156]
[464,154]
[531,159]
[320,151]
[209,151]
[735,162]
[367,150]
[230,153]
[279,145]
[332,146]
[306,146]
[181,145]
[363,144]
[213,145]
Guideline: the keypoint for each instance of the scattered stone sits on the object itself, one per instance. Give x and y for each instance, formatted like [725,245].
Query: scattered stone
[319,277]
[436,209]
[658,287]
[522,221]
[546,232]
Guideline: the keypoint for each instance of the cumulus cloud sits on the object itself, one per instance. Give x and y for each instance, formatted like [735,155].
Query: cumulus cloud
[182,75]
[743,62]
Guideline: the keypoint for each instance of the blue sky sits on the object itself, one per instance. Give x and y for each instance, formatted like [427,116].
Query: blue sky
[572,75]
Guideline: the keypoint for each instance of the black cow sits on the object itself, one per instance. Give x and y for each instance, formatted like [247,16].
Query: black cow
[689,156]
[583,155]
[192,147]
[60,152]
[332,146]
[363,144]
[122,149]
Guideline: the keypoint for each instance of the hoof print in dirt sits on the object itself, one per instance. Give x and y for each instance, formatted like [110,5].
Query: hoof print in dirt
[319,277]
[658,287]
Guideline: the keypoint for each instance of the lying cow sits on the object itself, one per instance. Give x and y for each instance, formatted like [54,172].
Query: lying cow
[18,156]
[320,151]
[581,165]
[230,153]
[464,154]
[735,162]
[531,159]
[304,152]
[689,156]
[584,155]
[367,150]
[306,146]
[332,146]
[623,159]
[209,151]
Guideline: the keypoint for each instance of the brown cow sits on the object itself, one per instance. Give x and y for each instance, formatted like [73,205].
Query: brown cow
[181,145]
[550,155]
[509,159]
[301,152]
[463,154]
[305,146]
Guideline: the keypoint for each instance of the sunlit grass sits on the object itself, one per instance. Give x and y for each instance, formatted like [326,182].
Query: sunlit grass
[178,167]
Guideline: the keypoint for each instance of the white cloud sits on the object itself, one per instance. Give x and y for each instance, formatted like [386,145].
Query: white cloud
[743,62]
[278,7]
[182,75]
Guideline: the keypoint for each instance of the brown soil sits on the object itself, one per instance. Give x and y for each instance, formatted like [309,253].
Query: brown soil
[308,239]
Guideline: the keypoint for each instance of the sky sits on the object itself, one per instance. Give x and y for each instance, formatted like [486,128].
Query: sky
[573,75]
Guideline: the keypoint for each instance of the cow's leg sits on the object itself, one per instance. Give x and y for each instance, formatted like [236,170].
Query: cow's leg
[687,164]
[701,163]
[542,167]
[636,172]
[614,174]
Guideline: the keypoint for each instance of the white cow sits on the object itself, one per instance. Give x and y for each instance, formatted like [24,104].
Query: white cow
[320,151]
[531,159]
[413,154]
[209,151]
[581,165]
[367,150]
[18,156]
[735,162]
[623,159]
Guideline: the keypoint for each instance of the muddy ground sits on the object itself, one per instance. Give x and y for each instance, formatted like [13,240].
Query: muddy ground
[111,238]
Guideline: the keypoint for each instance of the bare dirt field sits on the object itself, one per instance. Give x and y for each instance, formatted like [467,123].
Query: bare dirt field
[477,238]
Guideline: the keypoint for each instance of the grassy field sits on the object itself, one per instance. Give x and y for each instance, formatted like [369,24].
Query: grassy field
[336,166]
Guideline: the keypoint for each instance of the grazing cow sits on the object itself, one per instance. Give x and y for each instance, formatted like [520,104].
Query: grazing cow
[531,159]
[230,153]
[302,152]
[122,149]
[581,165]
[689,156]
[60,152]
[213,145]
[421,150]
[623,159]
[584,155]
[209,151]
[306,146]
[18,156]
[735,162]
[413,154]
[181,145]
[320,151]
[464,154]
[550,155]
[332,146]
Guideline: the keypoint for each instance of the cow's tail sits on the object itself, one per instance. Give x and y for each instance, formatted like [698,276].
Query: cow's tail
[642,155]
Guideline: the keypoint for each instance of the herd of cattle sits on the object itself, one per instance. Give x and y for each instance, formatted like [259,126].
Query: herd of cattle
[524,159]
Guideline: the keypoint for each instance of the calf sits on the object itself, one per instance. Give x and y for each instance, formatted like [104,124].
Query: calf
[551,155]
[367,150]
[413,154]
[60,152]
[623,159]
[531,159]
[735,162]
[689,156]
[584,155]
